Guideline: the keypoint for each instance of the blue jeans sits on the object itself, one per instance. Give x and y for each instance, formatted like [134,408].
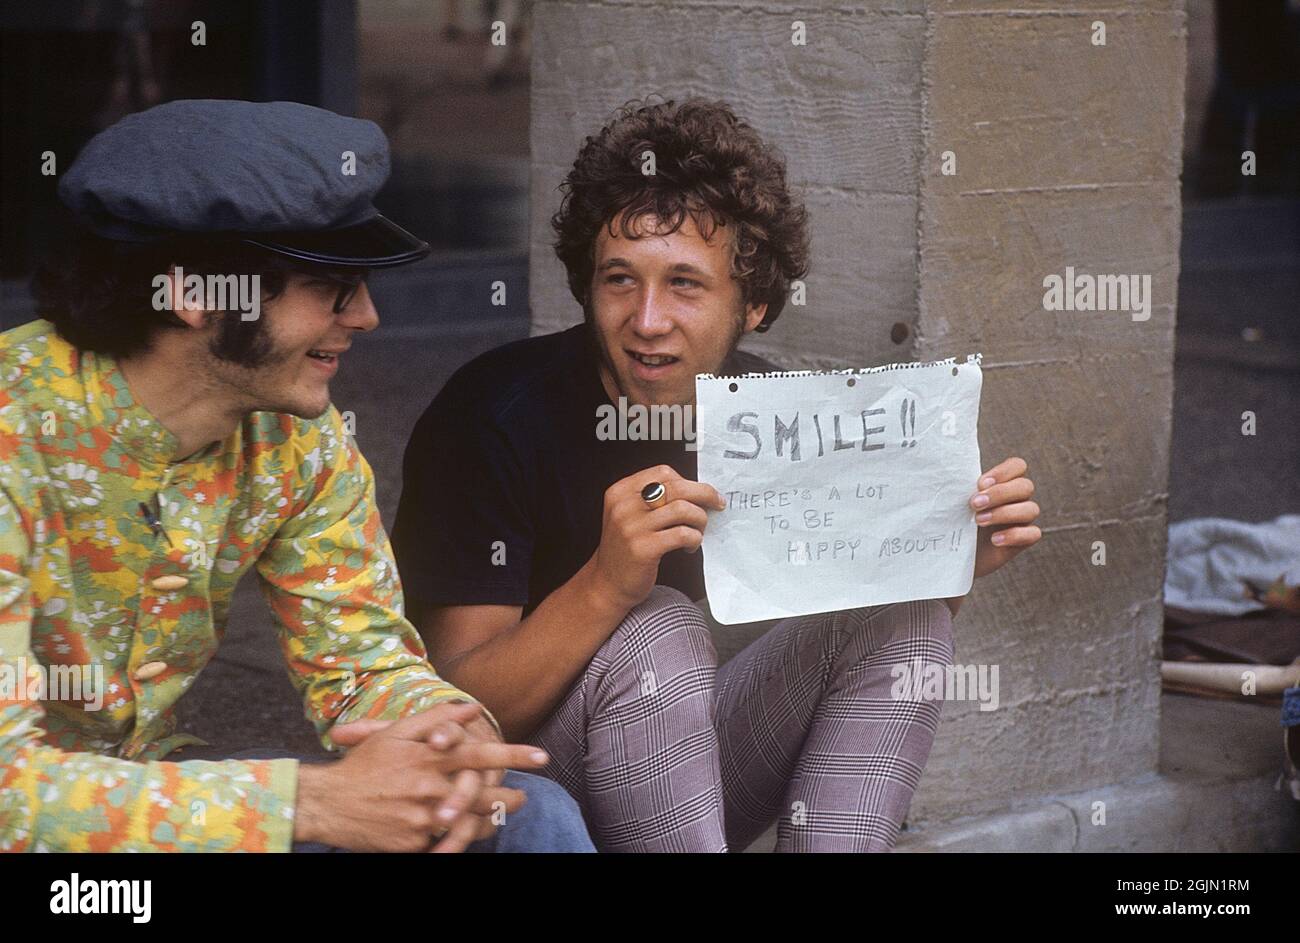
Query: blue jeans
[549,821]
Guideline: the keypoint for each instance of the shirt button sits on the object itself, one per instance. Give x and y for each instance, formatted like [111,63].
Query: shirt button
[168,583]
[150,669]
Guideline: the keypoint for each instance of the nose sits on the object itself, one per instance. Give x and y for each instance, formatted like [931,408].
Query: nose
[360,314]
[651,318]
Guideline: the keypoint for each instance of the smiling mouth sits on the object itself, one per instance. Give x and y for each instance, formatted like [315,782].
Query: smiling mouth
[657,360]
[323,355]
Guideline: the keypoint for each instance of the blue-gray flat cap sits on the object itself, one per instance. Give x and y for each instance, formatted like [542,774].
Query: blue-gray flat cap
[290,178]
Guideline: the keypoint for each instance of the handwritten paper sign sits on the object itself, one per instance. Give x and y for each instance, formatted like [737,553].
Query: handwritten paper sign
[843,489]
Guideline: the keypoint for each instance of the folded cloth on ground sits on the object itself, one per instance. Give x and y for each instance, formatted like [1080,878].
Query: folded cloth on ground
[1210,559]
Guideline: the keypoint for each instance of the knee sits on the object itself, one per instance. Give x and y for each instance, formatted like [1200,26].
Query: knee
[665,623]
[923,628]
[550,821]
[936,628]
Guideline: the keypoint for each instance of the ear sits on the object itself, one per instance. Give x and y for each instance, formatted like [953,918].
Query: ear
[194,317]
[754,315]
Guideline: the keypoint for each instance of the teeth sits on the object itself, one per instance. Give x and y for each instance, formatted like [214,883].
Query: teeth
[654,361]
[320,355]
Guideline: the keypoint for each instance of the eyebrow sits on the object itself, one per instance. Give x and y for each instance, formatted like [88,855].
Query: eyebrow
[690,269]
[684,267]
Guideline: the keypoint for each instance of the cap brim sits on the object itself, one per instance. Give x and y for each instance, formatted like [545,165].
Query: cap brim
[376,243]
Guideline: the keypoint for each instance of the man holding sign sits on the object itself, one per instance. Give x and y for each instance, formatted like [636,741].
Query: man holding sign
[549,565]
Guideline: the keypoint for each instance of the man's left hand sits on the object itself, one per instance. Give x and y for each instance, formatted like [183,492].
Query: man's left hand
[1004,514]
[462,825]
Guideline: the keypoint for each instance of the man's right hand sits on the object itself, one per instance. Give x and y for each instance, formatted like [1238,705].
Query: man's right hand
[385,793]
[634,537]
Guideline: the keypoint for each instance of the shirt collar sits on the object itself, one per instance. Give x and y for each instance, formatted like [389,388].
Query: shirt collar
[138,431]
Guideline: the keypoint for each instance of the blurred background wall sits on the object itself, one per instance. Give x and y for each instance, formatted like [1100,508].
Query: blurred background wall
[454,107]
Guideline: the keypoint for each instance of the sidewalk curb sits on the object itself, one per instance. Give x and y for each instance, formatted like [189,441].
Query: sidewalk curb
[1156,813]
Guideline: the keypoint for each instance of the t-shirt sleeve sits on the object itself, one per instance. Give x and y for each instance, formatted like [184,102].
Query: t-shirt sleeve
[463,535]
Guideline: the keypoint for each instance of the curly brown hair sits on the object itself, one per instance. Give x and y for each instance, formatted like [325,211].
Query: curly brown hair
[708,163]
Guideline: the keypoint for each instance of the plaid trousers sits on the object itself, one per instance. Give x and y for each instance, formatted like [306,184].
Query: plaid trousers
[665,751]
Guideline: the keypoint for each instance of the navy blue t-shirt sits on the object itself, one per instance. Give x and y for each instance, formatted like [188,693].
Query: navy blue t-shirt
[504,477]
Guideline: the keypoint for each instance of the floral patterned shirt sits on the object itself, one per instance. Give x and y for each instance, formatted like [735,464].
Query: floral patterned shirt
[140,602]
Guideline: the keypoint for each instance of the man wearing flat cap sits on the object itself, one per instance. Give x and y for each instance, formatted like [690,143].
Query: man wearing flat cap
[164,429]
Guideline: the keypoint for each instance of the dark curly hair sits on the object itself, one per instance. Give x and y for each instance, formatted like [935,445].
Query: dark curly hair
[708,163]
[98,293]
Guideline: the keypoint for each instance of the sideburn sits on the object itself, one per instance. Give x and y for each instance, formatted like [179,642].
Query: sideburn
[242,343]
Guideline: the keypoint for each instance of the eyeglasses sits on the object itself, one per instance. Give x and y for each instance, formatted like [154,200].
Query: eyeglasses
[348,287]
[349,283]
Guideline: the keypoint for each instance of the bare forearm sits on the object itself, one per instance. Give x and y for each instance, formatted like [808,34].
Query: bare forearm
[522,674]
